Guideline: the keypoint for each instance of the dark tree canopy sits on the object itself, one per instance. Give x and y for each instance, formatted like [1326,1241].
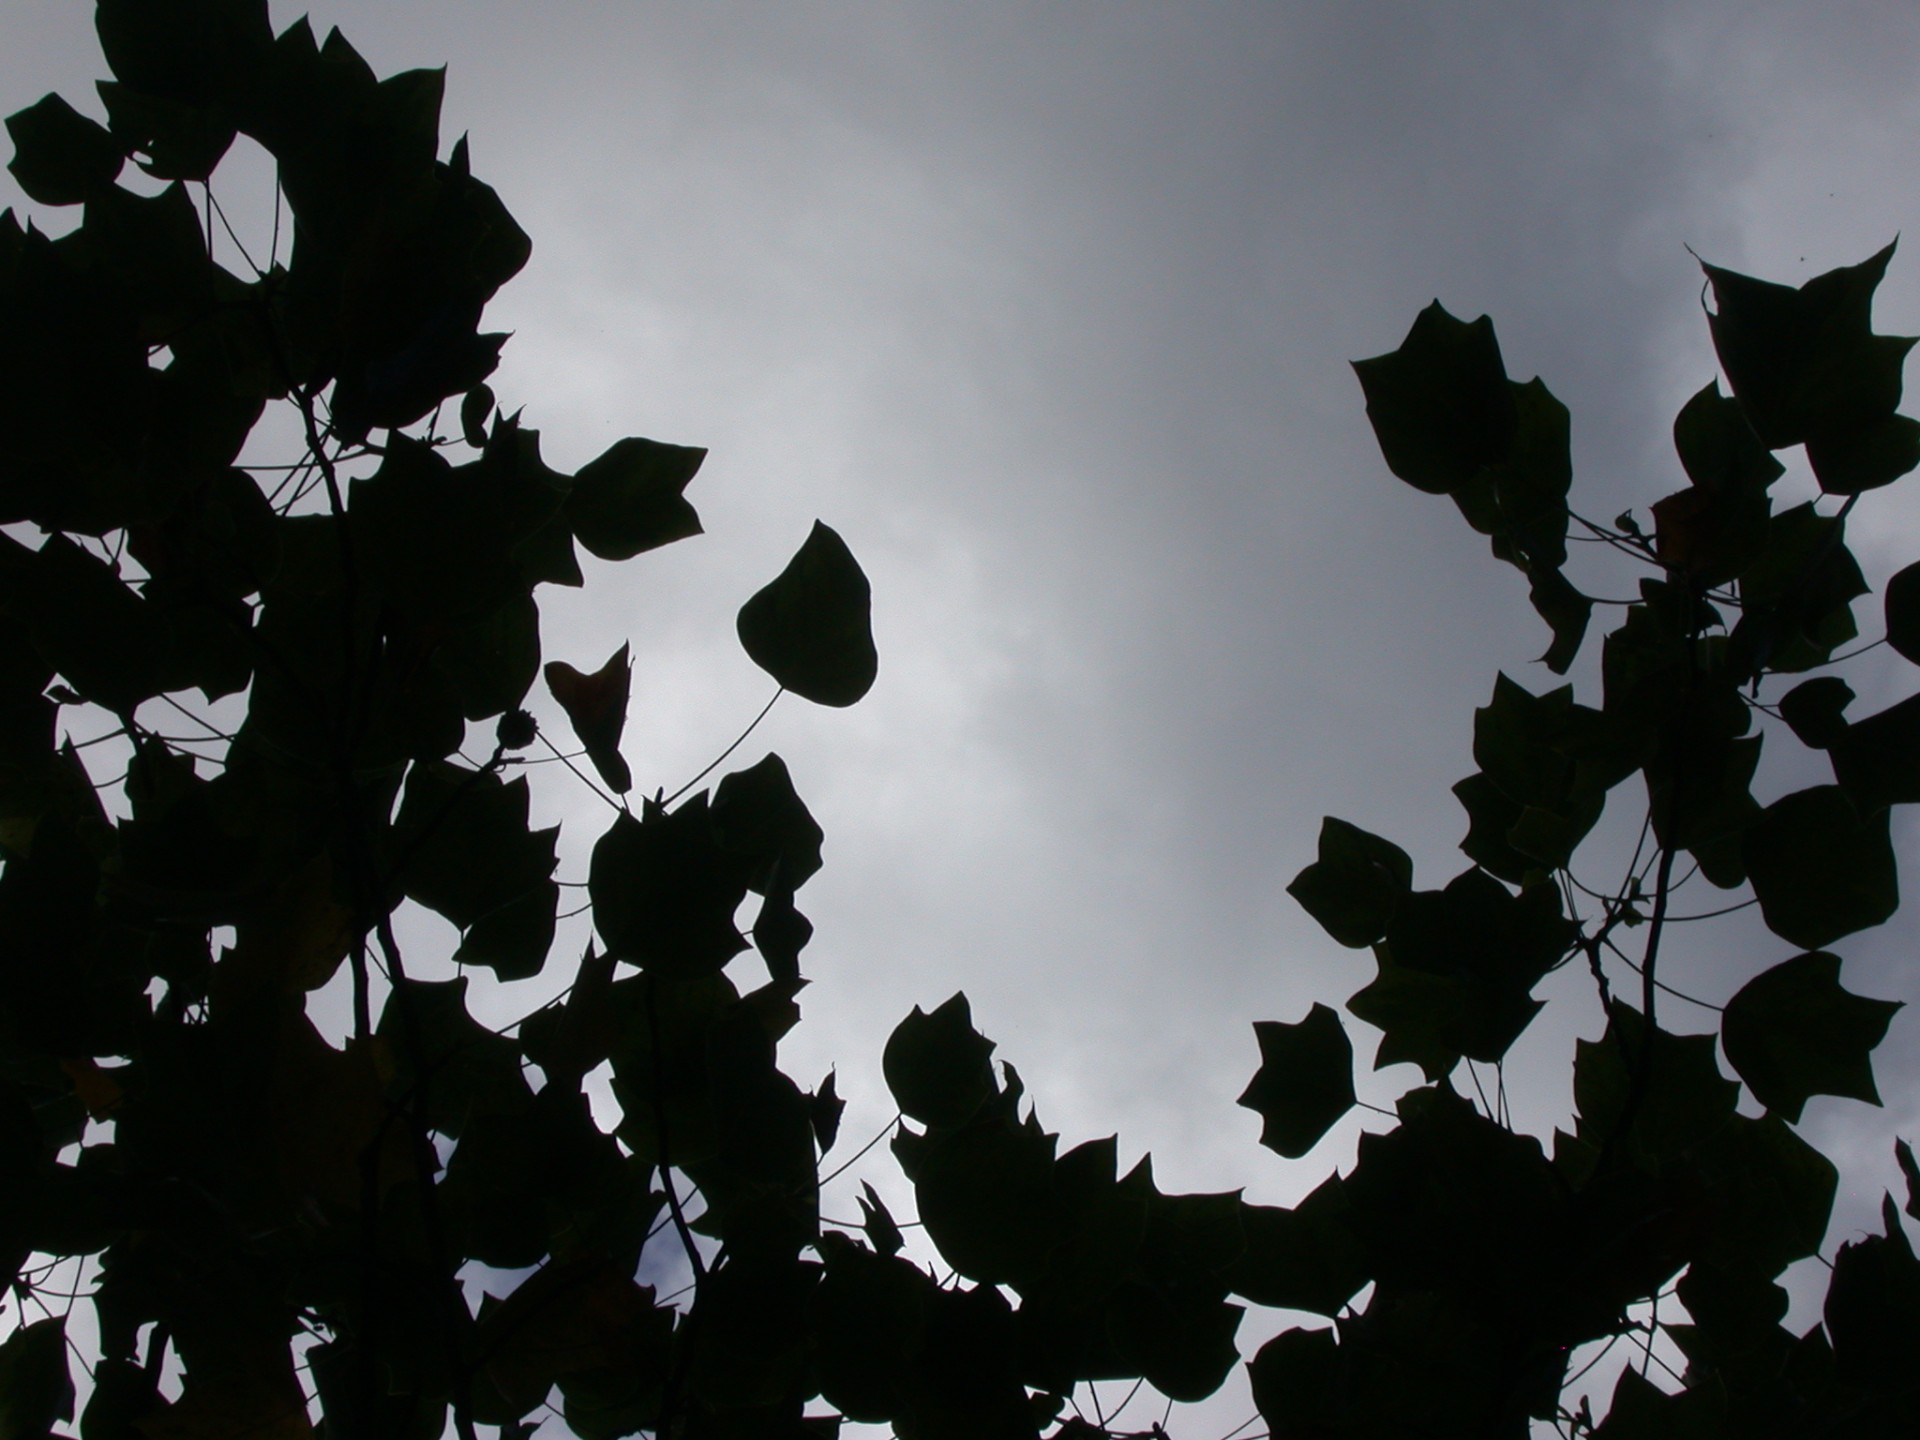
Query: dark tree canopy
[294,660]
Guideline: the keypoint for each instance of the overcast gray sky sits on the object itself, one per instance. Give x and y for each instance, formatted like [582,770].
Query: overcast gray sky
[1047,308]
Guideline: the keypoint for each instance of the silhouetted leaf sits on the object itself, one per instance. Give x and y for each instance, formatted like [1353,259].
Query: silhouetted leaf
[628,500]
[1877,759]
[1820,870]
[465,848]
[467,1069]
[1306,1258]
[1815,710]
[1296,1381]
[883,1233]
[1804,363]
[937,1065]
[752,1343]
[1769,1193]
[476,411]
[1566,611]
[1686,1101]
[664,892]
[1873,1308]
[1180,1341]
[1902,601]
[986,1197]
[1850,461]
[596,706]
[1457,971]
[35,1387]
[811,628]
[870,1320]
[1440,405]
[1903,1154]
[490,663]
[1353,887]
[1791,1032]
[1717,446]
[169,139]
[60,156]
[1305,1081]
[1450,1201]
[568,1321]
[824,1108]
[1797,596]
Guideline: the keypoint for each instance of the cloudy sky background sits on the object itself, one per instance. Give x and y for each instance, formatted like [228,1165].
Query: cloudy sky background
[1047,309]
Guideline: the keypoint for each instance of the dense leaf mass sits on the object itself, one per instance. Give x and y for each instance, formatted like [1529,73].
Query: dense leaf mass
[610,1208]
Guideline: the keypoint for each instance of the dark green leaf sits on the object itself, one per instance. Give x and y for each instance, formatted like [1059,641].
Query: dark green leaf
[1353,887]
[1820,870]
[629,499]
[1791,1032]
[1432,1020]
[60,157]
[811,628]
[1440,405]
[1305,1081]
[937,1065]
[123,1395]
[586,1325]
[87,623]
[542,1179]
[1641,1410]
[1492,818]
[440,545]
[1710,536]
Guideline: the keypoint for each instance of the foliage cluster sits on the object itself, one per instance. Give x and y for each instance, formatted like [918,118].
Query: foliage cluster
[283,1232]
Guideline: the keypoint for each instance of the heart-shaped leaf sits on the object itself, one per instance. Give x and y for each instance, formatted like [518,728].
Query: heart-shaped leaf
[812,628]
